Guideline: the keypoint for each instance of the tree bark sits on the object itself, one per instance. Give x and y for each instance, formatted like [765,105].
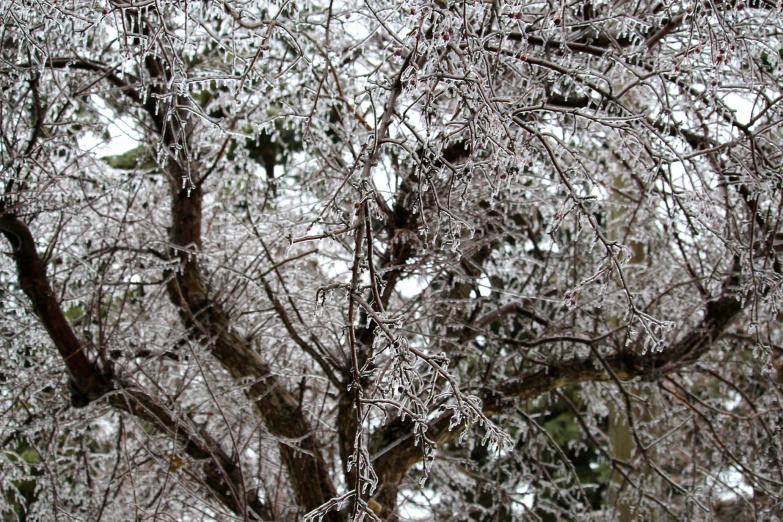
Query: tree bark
[210,324]
[89,382]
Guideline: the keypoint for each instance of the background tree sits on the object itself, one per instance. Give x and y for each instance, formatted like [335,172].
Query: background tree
[382,260]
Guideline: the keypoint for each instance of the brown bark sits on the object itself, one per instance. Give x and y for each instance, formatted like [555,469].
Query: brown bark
[299,449]
[90,383]
[279,408]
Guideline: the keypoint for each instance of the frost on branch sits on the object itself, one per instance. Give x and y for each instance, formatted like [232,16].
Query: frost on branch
[391,260]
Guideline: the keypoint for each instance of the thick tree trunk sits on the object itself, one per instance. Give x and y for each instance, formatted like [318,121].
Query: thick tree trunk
[210,324]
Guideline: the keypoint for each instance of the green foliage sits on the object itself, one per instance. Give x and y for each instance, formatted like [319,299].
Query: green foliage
[138,158]
[21,494]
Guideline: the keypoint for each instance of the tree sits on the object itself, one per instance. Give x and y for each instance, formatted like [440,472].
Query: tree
[382,260]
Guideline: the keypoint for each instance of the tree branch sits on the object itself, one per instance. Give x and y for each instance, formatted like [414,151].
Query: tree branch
[221,474]
[392,465]
[300,451]
[90,383]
